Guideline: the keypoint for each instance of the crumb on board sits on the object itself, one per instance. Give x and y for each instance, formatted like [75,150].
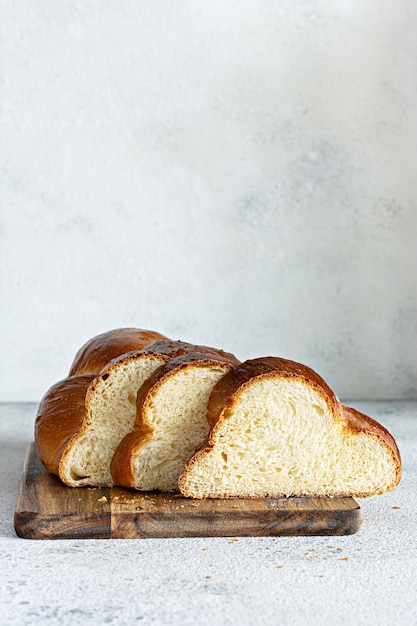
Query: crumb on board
[102,499]
[396,506]
[344,558]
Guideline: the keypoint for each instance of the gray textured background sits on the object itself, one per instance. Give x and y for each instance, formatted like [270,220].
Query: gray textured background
[240,174]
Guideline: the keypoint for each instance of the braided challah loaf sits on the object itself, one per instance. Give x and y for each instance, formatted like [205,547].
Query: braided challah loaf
[136,406]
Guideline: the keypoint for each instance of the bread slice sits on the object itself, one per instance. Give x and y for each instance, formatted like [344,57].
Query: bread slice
[278,430]
[171,422]
[99,350]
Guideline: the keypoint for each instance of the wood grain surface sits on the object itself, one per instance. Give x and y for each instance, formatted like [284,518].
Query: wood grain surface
[47,509]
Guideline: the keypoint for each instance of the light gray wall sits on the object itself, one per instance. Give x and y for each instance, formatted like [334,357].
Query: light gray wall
[241,174]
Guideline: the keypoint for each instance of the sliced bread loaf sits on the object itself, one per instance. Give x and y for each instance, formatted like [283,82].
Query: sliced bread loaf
[171,422]
[278,430]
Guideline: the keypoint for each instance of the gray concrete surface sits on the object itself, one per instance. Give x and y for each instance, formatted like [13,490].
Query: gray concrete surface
[366,578]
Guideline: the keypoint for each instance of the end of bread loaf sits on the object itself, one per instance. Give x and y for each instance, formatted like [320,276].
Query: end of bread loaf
[278,430]
[60,415]
[82,419]
[98,351]
[171,422]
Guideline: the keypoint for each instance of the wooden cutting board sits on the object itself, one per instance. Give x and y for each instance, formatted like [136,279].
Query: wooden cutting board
[47,509]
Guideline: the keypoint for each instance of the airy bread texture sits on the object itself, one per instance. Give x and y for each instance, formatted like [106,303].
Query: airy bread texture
[82,419]
[171,422]
[99,350]
[278,430]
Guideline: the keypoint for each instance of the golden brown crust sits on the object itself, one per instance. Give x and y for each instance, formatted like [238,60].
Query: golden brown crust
[178,348]
[121,467]
[60,416]
[99,350]
[224,397]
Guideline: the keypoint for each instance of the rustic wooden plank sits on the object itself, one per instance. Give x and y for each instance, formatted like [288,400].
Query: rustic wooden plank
[165,515]
[47,509]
